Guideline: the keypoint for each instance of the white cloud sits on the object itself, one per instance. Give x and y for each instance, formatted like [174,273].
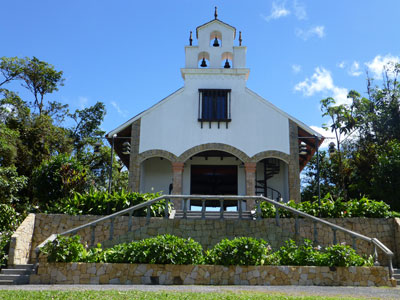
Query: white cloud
[342,64]
[321,82]
[299,10]
[278,10]
[296,68]
[377,65]
[355,69]
[318,31]
[119,110]
[83,101]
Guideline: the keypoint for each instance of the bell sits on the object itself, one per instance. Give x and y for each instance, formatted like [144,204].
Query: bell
[216,44]
[227,65]
[203,63]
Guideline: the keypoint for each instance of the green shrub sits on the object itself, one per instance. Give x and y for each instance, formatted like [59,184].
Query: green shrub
[5,238]
[65,249]
[239,251]
[333,209]
[9,218]
[57,178]
[169,249]
[292,254]
[343,256]
[165,249]
[103,203]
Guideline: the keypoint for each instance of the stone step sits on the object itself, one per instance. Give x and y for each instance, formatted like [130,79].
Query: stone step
[26,267]
[15,279]
[6,282]
[213,215]
[16,271]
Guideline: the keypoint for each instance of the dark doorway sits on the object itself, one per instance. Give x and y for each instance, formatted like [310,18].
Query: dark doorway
[214,180]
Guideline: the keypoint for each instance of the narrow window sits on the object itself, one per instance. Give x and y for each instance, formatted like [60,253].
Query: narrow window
[214,105]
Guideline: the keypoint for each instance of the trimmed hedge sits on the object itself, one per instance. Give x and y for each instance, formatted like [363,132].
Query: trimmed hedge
[169,249]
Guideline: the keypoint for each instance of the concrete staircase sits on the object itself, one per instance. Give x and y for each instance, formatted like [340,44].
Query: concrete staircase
[215,215]
[17,274]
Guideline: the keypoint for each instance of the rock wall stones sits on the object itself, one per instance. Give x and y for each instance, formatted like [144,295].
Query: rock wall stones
[21,242]
[96,273]
[210,232]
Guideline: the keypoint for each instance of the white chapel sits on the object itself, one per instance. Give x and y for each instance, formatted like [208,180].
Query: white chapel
[214,136]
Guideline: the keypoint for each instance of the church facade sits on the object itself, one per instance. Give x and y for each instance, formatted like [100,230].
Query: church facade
[214,136]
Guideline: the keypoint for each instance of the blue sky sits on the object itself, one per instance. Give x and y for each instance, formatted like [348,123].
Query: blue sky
[128,54]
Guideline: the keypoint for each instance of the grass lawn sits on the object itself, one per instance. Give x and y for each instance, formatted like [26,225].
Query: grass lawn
[139,295]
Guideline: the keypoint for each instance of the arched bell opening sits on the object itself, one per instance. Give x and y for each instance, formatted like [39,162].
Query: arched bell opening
[156,175]
[203,60]
[272,179]
[226,60]
[214,172]
[215,39]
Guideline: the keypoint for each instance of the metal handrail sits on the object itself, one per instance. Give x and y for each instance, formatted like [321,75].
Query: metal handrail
[258,199]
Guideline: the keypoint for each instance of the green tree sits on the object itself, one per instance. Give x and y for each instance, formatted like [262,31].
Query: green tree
[58,177]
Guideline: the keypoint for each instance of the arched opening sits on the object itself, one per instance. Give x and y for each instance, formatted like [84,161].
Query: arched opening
[214,172]
[227,60]
[203,60]
[272,179]
[215,39]
[156,176]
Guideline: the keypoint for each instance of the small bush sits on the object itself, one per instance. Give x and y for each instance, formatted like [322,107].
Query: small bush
[239,251]
[5,238]
[64,249]
[9,218]
[343,256]
[165,249]
[293,255]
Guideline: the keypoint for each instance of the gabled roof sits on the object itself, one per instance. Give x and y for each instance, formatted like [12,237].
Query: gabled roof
[215,21]
[138,116]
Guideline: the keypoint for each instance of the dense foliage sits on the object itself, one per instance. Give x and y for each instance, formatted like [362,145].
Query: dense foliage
[169,249]
[103,203]
[333,208]
[9,221]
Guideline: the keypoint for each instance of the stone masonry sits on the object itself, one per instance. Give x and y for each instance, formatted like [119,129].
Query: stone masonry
[210,232]
[98,273]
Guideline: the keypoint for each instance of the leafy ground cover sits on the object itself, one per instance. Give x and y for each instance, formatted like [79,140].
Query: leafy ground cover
[139,295]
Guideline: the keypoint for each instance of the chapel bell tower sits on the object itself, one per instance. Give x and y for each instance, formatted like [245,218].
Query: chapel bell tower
[215,48]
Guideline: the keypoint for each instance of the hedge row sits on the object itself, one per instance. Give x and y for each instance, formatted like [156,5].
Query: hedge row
[169,249]
[330,208]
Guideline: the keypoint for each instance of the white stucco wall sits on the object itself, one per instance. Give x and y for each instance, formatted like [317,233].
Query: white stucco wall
[173,125]
[156,175]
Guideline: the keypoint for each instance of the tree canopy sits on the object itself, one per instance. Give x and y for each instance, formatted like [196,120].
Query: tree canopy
[42,159]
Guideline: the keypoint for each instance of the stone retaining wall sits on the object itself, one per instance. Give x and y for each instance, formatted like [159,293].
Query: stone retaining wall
[209,232]
[21,242]
[97,273]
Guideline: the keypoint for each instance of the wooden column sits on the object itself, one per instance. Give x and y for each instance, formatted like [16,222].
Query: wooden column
[250,170]
[177,170]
